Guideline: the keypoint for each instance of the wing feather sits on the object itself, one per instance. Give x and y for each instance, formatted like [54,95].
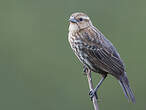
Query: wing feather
[102,54]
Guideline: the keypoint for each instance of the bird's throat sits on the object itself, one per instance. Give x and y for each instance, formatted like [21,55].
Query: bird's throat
[73,28]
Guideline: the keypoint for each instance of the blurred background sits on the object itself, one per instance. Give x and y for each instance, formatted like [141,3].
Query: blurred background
[38,70]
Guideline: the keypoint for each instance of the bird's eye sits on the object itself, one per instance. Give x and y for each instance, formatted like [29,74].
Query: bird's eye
[81,19]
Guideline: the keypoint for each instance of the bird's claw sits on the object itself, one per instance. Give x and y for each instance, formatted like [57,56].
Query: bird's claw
[85,70]
[93,93]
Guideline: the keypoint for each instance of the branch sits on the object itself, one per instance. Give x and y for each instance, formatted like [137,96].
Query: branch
[94,100]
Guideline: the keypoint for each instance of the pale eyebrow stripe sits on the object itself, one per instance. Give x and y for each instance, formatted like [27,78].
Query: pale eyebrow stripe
[84,17]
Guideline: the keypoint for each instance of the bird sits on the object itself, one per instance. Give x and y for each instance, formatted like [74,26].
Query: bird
[96,52]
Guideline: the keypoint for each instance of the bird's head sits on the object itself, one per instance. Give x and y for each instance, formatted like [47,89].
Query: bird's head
[79,21]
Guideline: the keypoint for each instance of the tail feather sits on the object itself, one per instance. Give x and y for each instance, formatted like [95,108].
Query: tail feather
[126,88]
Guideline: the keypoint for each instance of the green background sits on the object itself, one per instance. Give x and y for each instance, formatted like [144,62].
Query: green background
[38,70]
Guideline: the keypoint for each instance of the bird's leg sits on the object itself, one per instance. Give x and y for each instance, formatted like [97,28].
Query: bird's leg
[93,92]
[85,70]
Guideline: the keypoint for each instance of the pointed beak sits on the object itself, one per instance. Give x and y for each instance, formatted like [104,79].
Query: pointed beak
[73,20]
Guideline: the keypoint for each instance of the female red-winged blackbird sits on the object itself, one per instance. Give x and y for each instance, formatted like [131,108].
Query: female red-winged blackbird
[96,52]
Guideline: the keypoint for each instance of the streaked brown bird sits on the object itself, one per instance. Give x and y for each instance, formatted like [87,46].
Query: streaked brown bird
[96,52]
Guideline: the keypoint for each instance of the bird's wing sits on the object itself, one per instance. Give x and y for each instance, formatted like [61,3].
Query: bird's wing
[101,51]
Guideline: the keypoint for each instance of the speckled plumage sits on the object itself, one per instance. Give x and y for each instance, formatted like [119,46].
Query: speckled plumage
[96,51]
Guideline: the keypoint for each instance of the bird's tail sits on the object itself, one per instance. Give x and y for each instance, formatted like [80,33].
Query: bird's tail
[126,88]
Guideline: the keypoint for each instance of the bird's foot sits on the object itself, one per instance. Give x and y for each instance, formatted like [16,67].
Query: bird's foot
[93,93]
[85,70]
